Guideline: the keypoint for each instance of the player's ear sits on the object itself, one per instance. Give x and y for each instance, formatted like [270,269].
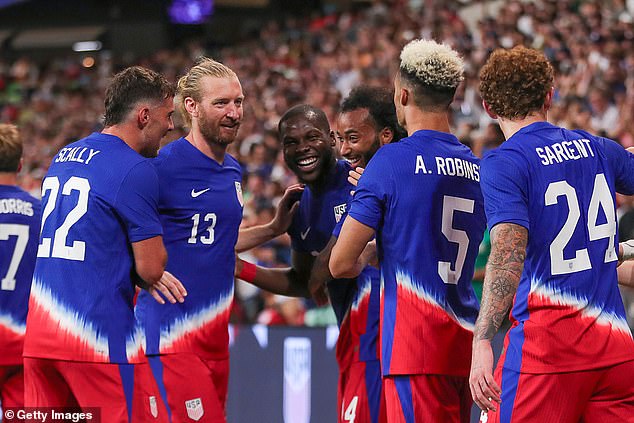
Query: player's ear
[487,109]
[143,117]
[20,165]
[191,106]
[548,101]
[333,140]
[386,136]
[404,96]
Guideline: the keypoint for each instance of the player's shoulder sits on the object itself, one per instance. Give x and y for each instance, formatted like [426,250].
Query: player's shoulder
[232,163]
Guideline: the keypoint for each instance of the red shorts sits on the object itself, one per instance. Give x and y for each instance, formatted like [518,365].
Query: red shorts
[195,388]
[602,395]
[427,398]
[122,392]
[360,394]
[12,387]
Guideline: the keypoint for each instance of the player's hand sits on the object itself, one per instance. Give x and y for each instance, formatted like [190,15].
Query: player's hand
[170,287]
[484,390]
[318,291]
[354,176]
[369,255]
[286,209]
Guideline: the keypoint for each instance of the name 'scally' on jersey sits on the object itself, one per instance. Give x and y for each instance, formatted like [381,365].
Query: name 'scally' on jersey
[99,195]
[19,231]
[201,209]
[422,196]
[560,185]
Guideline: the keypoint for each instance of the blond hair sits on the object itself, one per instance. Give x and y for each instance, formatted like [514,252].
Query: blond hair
[433,64]
[189,84]
[10,148]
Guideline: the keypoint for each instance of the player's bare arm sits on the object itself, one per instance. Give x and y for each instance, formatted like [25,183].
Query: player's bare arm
[503,272]
[252,237]
[347,259]
[290,281]
[150,259]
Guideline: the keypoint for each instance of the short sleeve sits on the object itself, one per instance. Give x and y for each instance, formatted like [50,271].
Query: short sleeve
[622,162]
[371,196]
[504,188]
[339,225]
[137,202]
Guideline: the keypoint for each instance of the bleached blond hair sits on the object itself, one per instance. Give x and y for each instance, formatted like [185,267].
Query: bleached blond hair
[433,64]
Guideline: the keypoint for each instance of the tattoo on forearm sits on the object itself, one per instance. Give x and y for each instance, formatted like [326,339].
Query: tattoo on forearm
[503,272]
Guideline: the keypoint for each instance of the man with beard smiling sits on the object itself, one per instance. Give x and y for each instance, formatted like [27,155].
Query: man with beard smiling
[200,203]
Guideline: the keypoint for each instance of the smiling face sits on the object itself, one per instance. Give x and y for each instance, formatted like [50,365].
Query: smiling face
[308,147]
[358,137]
[159,124]
[219,111]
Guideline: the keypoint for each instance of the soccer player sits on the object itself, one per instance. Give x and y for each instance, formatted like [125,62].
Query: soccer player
[550,195]
[19,230]
[422,198]
[100,233]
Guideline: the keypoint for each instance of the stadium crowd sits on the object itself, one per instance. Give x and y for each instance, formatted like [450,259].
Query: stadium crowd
[318,60]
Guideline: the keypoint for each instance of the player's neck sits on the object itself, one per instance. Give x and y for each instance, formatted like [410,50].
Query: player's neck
[322,181]
[417,120]
[214,151]
[128,135]
[8,178]
[509,127]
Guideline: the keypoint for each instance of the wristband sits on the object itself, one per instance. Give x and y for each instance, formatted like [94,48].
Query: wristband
[248,272]
[628,250]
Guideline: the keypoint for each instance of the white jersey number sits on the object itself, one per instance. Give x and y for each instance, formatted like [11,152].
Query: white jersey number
[601,198]
[207,239]
[76,251]
[22,232]
[351,411]
[457,236]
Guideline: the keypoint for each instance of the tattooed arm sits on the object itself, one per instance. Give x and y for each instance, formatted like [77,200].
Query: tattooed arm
[503,271]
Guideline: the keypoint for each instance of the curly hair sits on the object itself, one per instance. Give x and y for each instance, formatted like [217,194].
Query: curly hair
[380,104]
[433,71]
[10,148]
[514,83]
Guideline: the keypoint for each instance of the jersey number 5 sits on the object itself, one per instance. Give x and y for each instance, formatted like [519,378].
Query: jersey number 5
[601,197]
[22,232]
[449,206]
[77,251]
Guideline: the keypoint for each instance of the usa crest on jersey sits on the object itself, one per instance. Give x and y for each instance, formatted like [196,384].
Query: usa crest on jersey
[195,409]
[239,193]
[339,211]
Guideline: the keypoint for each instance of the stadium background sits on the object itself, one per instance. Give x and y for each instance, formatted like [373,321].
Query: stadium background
[288,52]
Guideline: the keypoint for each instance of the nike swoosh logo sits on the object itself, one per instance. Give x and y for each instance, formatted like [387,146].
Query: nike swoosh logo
[198,193]
[304,234]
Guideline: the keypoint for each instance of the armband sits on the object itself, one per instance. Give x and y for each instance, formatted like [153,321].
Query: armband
[248,272]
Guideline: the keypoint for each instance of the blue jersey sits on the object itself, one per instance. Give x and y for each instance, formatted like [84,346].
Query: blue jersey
[99,196]
[19,230]
[313,224]
[422,196]
[201,210]
[560,185]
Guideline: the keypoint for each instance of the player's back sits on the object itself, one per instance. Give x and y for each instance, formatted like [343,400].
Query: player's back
[200,203]
[19,230]
[568,314]
[428,240]
[99,196]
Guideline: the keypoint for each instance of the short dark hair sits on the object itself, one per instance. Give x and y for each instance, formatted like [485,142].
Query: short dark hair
[10,148]
[380,105]
[514,83]
[312,113]
[130,86]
